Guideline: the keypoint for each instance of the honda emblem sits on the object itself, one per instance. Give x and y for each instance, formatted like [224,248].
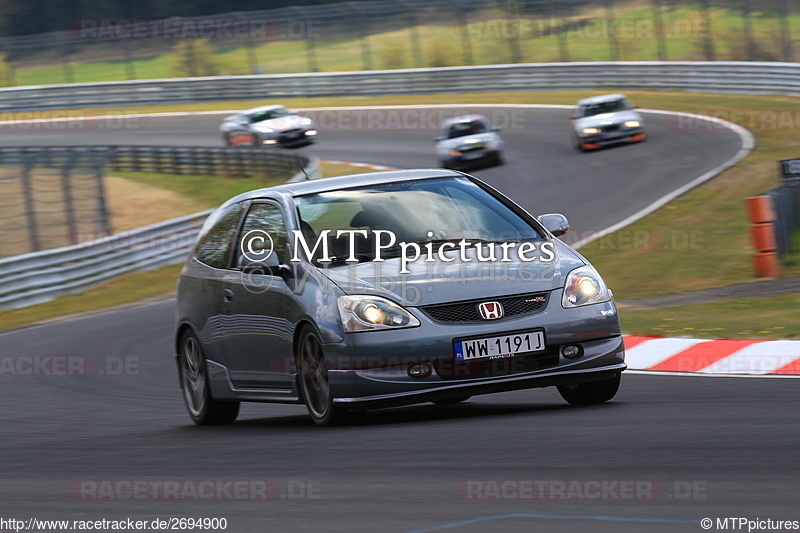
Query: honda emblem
[491,310]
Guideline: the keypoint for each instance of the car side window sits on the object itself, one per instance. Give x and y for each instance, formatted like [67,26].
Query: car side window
[215,242]
[267,217]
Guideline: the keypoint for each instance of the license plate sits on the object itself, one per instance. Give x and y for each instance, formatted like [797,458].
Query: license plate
[500,346]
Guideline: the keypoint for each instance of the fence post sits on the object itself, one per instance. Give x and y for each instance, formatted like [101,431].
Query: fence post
[311,50]
[65,60]
[413,34]
[104,222]
[563,46]
[363,32]
[786,32]
[658,28]
[613,44]
[27,192]
[466,45]
[747,29]
[708,33]
[69,207]
[513,41]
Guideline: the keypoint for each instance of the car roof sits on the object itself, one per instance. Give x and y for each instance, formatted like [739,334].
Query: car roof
[262,109]
[602,99]
[300,188]
[463,118]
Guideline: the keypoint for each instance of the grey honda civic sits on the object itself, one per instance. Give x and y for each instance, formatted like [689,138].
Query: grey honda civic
[392,288]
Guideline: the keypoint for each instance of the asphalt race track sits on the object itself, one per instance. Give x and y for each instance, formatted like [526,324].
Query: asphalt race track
[107,433]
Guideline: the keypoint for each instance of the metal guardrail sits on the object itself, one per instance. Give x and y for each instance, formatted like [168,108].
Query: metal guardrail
[715,77]
[42,276]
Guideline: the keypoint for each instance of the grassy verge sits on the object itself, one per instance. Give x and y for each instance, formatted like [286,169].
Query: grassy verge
[763,318]
[123,290]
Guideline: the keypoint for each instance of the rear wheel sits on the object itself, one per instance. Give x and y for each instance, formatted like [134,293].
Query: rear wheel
[315,385]
[590,393]
[202,407]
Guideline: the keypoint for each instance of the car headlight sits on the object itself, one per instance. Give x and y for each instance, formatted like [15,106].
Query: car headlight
[632,124]
[590,130]
[368,313]
[584,286]
[306,122]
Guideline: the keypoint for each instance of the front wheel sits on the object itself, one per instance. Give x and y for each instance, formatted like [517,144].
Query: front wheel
[315,385]
[202,407]
[590,393]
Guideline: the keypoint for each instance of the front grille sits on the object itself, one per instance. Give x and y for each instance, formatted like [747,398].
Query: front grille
[485,368]
[513,306]
[610,128]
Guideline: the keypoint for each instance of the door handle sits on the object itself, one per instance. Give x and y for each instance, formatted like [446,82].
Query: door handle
[227,295]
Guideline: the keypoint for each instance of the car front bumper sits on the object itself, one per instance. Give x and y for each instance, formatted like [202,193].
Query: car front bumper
[598,140]
[370,369]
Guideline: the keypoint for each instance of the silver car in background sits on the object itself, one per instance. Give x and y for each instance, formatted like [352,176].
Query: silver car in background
[605,120]
[468,140]
[272,125]
[331,323]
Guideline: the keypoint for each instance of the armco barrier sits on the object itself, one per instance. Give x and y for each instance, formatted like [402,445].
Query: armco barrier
[713,77]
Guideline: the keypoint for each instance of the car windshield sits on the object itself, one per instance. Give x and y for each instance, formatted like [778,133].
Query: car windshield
[591,110]
[466,127]
[438,210]
[260,116]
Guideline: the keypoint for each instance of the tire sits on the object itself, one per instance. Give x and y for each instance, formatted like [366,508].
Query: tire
[202,407]
[227,140]
[498,159]
[452,401]
[315,385]
[590,393]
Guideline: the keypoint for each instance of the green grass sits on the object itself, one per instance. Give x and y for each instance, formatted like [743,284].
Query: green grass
[207,190]
[491,34]
[123,290]
[762,318]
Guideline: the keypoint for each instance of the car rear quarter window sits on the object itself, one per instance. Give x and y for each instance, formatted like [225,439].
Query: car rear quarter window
[215,242]
[269,218]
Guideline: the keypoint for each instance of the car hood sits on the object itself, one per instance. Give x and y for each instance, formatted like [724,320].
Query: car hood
[605,119]
[438,282]
[462,142]
[289,122]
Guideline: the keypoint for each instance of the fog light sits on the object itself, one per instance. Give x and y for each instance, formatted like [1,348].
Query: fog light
[419,371]
[571,351]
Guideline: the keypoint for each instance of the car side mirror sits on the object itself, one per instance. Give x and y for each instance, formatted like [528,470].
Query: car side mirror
[556,223]
[573,117]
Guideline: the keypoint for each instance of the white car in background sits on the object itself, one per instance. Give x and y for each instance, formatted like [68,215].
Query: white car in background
[272,125]
[605,120]
[468,140]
